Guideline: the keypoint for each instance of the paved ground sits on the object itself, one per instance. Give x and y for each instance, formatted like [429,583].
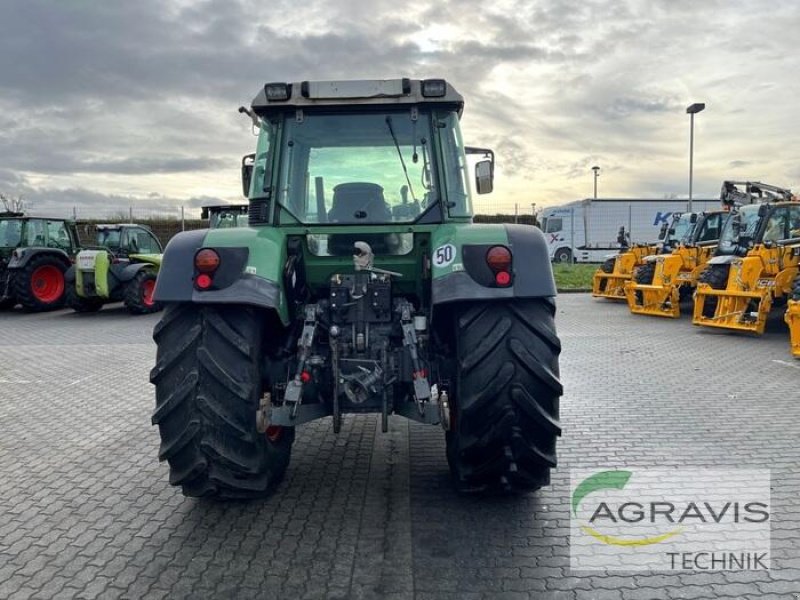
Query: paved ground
[86,510]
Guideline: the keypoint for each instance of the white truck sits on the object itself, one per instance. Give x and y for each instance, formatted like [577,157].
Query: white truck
[588,230]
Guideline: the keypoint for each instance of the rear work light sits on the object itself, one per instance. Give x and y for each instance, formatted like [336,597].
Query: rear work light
[434,88]
[499,260]
[276,92]
[206,260]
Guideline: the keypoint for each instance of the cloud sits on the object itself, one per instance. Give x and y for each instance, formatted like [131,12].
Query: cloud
[108,102]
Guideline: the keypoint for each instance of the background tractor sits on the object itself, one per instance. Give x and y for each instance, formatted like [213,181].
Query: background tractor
[792,317]
[123,266]
[35,253]
[360,286]
[754,266]
[661,280]
[225,216]
[610,278]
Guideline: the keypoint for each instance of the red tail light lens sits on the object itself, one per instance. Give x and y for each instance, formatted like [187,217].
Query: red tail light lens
[502,278]
[206,261]
[499,258]
[203,281]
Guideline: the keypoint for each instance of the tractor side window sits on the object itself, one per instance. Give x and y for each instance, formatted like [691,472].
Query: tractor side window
[37,235]
[456,171]
[794,222]
[711,229]
[10,233]
[777,226]
[144,243]
[57,236]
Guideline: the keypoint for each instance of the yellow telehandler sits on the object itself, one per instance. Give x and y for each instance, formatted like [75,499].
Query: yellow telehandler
[792,318]
[755,264]
[660,282]
[610,278]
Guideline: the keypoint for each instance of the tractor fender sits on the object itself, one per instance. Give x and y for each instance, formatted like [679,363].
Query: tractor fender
[22,256]
[130,271]
[460,271]
[724,260]
[234,285]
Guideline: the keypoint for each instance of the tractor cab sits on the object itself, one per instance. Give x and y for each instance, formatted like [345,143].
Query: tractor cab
[126,239]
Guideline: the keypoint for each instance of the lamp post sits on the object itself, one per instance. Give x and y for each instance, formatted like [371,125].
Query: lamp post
[596,170]
[692,110]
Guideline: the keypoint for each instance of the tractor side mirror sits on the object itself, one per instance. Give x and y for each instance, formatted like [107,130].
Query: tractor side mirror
[693,218]
[247,173]
[763,210]
[663,233]
[484,177]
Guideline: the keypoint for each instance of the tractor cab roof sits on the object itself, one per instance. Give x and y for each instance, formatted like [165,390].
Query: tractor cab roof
[117,226]
[363,94]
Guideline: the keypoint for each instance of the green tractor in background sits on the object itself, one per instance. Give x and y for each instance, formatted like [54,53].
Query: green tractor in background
[122,267]
[35,254]
[225,216]
[361,285]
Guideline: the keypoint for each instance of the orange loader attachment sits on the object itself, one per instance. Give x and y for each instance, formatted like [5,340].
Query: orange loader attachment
[609,281]
[792,318]
[657,285]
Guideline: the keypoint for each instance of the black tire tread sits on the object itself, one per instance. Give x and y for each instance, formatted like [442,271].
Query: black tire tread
[796,288]
[507,394]
[208,382]
[80,304]
[134,295]
[608,265]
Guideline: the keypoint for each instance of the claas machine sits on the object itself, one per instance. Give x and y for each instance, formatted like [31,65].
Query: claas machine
[755,264]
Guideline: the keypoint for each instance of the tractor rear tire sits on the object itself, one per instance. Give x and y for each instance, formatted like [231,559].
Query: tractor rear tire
[39,285]
[208,379]
[80,304]
[505,415]
[139,293]
[716,276]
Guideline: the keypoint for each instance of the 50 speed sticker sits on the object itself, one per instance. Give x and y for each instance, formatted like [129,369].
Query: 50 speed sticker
[444,256]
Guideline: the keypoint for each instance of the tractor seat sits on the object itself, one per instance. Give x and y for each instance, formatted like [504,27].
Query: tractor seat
[359,202]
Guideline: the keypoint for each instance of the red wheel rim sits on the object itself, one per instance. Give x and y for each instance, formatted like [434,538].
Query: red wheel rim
[274,433]
[47,284]
[147,292]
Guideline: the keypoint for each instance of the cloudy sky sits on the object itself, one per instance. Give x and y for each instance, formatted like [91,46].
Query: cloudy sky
[107,104]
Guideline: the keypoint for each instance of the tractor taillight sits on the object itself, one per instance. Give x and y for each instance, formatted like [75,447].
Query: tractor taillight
[499,260]
[206,260]
[203,281]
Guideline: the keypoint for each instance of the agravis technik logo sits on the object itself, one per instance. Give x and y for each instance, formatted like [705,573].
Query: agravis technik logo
[676,519]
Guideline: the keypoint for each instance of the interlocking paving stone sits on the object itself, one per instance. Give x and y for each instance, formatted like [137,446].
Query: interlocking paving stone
[86,510]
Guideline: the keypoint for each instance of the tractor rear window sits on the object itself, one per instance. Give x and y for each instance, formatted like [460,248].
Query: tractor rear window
[358,169]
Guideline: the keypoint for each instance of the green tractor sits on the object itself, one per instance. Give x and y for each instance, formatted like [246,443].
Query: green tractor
[122,267]
[361,285]
[35,254]
[225,216]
